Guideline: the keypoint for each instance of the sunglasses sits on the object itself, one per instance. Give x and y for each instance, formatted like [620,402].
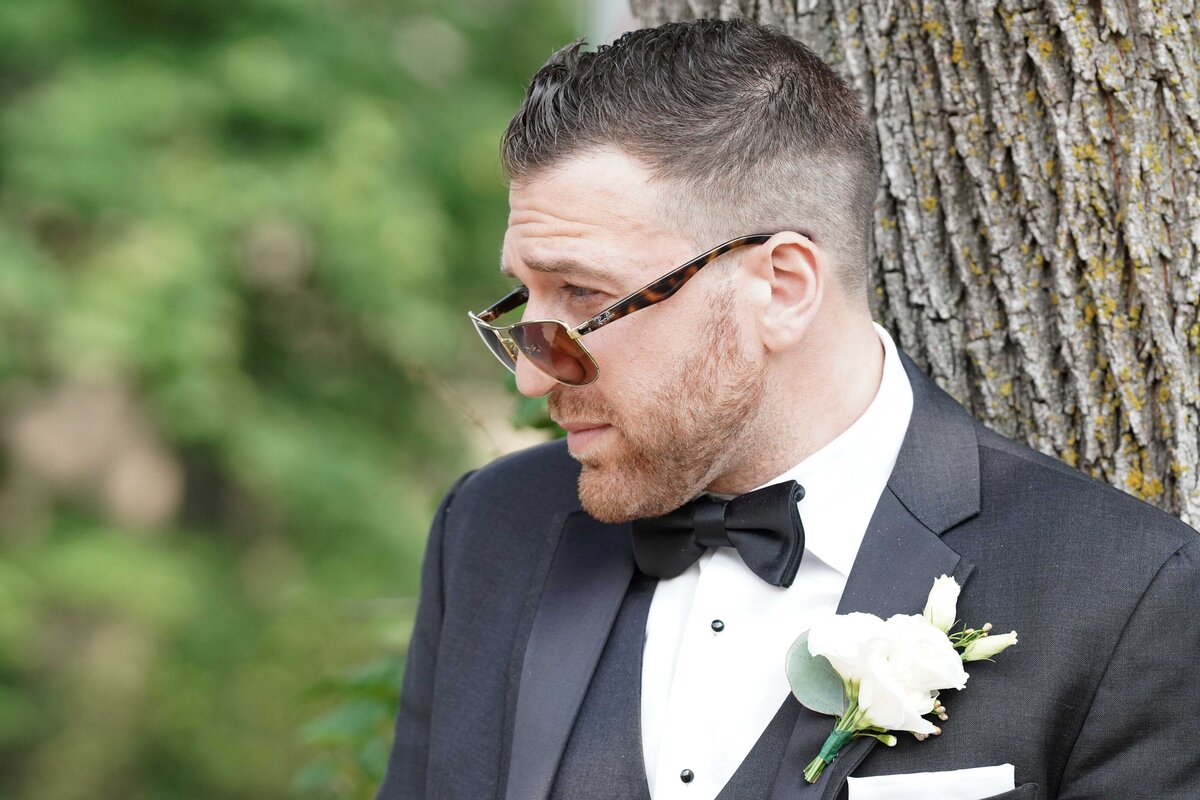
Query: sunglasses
[555,348]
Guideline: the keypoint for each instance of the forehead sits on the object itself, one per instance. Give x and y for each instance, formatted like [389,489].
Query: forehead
[590,209]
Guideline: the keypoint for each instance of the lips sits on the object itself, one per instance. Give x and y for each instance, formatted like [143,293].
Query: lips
[580,435]
[577,427]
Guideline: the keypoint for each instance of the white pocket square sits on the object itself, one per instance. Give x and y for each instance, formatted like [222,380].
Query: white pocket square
[956,784]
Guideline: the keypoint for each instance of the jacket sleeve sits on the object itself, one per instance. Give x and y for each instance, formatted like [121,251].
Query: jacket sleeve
[1139,738]
[406,769]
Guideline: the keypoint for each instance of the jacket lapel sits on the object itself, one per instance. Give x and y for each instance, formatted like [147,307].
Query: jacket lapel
[898,562]
[933,487]
[586,582]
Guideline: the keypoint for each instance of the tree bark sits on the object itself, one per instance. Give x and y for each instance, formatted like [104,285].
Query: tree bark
[1037,229]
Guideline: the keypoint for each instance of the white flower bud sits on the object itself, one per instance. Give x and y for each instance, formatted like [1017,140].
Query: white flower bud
[989,646]
[941,607]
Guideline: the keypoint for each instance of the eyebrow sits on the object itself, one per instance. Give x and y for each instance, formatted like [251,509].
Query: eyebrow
[564,266]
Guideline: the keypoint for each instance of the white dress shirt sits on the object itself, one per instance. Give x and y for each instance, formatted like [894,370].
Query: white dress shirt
[707,696]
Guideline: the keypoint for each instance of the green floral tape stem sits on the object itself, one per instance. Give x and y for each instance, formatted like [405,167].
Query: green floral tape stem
[834,744]
[829,751]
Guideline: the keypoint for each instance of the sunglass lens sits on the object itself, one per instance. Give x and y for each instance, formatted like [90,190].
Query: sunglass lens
[553,351]
[492,340]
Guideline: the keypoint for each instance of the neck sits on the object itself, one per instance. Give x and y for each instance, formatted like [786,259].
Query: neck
[812,399]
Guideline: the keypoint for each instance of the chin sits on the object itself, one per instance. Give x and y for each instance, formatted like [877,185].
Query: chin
[610,494]
[600,497]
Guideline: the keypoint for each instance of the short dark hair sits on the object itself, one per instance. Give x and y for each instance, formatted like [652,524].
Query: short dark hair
[750,128]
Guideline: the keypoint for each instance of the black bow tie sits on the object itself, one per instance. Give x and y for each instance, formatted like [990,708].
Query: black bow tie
[763,525]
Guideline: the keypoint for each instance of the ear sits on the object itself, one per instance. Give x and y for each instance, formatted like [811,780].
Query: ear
[791,272]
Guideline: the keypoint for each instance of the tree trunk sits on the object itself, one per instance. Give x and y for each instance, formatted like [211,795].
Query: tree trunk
[1037,230]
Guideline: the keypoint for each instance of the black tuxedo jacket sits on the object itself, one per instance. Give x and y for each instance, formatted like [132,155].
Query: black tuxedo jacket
[1100,699]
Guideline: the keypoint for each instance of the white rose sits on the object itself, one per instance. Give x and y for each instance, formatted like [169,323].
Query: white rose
[914,661]
[988,646]
[941,607]
[845,639]
[899,665]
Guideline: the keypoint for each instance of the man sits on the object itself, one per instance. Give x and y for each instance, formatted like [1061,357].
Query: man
[568,645]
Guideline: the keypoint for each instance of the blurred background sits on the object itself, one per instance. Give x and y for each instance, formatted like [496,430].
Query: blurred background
[238,239]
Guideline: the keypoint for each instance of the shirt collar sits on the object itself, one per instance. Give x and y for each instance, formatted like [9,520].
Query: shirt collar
[844,479]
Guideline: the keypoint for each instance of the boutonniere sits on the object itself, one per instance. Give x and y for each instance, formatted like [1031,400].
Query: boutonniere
[878,676]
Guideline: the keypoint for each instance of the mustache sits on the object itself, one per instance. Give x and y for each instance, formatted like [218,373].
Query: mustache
[573,406]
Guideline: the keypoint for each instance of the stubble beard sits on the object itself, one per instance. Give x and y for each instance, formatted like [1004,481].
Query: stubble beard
[667,452]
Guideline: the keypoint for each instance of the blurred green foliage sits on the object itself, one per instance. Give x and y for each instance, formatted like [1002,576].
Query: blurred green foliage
[237,241]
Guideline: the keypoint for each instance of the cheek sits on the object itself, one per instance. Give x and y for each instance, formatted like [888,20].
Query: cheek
[631,378]
[632,375]
[639,348]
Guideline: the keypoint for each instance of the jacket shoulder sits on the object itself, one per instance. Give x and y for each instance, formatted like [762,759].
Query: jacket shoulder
[542,474]
[1063,497]
[503,512]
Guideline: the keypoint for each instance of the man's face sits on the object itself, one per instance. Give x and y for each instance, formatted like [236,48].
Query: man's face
[680,382]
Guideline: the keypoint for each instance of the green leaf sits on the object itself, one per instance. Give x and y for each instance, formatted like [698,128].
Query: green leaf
[349,722]
[372,759]
[316,776]
[813,679]
[531,413]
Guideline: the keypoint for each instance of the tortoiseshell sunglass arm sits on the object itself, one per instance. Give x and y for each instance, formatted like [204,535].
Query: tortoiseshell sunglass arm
[513,300]
[662,288]
[648,295]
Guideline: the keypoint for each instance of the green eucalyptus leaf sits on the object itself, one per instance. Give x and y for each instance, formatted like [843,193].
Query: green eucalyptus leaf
[813,679]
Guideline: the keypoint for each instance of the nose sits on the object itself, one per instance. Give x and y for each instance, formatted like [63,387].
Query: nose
[531,381]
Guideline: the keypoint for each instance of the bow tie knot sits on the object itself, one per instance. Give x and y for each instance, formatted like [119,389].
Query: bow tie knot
[708,524]
[764,526]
